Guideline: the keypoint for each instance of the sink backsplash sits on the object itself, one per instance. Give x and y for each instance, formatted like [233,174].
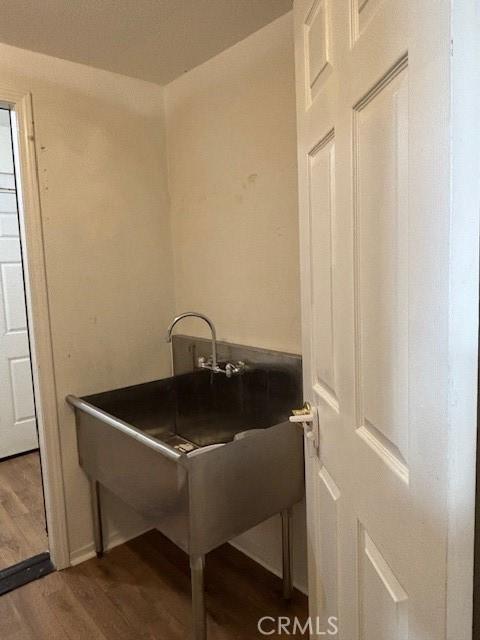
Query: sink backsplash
[187,349]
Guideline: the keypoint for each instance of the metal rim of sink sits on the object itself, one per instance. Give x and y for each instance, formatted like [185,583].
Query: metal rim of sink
[129,429]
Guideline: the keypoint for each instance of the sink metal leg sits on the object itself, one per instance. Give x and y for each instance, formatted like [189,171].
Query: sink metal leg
[197,566]
[97,517]
[286,515]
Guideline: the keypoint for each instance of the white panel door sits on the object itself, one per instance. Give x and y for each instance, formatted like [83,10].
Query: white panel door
[17,410]
[372,107]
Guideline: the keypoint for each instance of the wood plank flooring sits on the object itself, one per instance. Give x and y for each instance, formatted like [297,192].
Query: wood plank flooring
[22,517]
[141,591]
[138,591]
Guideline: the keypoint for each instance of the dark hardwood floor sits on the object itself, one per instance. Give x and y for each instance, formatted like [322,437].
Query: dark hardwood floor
[138,591]
[141,591]
[22,517]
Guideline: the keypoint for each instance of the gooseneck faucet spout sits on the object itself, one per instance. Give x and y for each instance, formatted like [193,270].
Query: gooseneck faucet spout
[194,314]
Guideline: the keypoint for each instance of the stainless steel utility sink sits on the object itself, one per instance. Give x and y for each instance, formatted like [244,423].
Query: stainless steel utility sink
[201,456]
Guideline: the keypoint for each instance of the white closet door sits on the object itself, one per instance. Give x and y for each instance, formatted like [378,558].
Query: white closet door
[17,410]
[373,94]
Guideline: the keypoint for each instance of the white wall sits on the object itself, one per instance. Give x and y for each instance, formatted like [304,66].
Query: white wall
[233,187]
[100,141]
[231,137]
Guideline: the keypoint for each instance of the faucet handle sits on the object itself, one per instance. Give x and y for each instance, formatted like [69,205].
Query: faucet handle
[204,363]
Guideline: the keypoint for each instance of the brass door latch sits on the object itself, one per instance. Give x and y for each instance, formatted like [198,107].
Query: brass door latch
[307,417]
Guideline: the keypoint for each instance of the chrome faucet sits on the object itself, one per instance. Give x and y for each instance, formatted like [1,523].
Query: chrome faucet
[213,364]
[229,368]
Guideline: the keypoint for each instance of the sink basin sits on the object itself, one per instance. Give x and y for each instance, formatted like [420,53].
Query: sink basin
[202,408]
[150,444]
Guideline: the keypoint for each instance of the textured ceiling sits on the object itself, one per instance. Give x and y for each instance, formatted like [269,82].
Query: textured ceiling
[155,40]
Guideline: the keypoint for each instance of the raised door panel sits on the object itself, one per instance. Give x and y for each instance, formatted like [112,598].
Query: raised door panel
[6,157]
[318,56]
[322,229]
[383,603]
[7,181]
[8,202]
[13,297]
[327,496]
[362,12]
[381,265]
[9,250]
[22,391]
[9,225]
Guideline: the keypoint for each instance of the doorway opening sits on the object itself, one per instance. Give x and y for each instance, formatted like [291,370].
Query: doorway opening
[24,550]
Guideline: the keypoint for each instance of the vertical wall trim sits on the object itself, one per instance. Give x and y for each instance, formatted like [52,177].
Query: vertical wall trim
[31,234]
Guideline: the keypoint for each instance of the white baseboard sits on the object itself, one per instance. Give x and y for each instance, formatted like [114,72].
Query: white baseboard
[77,556]
[115,539]
[266,565]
